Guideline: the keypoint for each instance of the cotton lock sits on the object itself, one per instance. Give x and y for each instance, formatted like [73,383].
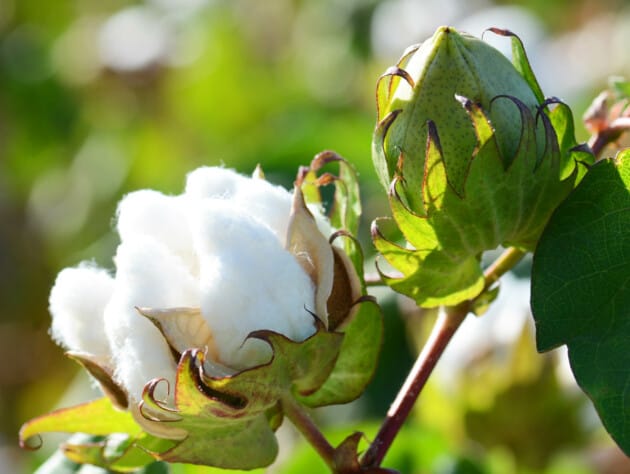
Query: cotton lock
[202,269]
[473,157]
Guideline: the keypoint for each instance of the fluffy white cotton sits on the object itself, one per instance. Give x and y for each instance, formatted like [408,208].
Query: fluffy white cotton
[220,247]
[270,204]
[150,213]
[213,182]
[77,302]
[248,282]
[148,275]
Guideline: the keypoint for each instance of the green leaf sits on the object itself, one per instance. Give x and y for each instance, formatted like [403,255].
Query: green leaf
[620,86]
[106,437]
[97,417]
[431,279]
[124,450]
[59,463]
[120,453]
[581,289]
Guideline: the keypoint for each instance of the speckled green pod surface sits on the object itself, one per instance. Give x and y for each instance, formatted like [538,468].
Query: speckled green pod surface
[472,156]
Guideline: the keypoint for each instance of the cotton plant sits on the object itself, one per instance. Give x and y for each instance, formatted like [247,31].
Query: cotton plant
[239,303]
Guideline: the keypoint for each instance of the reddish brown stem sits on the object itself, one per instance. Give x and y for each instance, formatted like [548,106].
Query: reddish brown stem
[441,334]
[600,140]
[303,422]
[597,143]
[443,331]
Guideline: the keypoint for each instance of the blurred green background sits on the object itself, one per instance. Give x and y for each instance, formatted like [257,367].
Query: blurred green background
[98,98]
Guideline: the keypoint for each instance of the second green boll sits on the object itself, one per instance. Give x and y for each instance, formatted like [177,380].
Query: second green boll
[473,157]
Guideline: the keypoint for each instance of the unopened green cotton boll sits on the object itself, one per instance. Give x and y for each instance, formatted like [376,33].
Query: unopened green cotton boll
[473,157]
[451,64]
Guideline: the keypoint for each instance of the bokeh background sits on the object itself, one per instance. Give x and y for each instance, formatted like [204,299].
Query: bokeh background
[98,98]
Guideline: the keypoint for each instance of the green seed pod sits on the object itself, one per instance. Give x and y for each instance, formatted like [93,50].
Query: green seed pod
[473,157]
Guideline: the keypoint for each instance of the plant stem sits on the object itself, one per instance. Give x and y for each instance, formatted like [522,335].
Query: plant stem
[305,425]
[501,265]
[445,327]
[598,142]
[442,332]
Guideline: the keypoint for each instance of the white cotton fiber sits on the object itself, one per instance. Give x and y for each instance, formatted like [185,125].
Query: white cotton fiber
[77,303]
[269,204]
[147,275]
[220,246]
[248,282]
[212,182]
[153,214]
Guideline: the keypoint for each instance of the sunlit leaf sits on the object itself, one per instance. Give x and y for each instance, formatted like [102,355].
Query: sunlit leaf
[120,453]
[581,289]
[97,417]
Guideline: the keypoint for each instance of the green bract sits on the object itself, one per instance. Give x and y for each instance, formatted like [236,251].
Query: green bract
[473,157]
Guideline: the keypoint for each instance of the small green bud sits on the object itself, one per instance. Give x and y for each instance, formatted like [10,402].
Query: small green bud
[473,158]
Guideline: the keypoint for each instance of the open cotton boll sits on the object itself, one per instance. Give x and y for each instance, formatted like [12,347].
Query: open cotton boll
[161,217]
[248,282]
[77,302]
[148,275]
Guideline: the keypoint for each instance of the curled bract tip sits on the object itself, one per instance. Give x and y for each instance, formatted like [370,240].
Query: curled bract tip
[150,392]
[26,443]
